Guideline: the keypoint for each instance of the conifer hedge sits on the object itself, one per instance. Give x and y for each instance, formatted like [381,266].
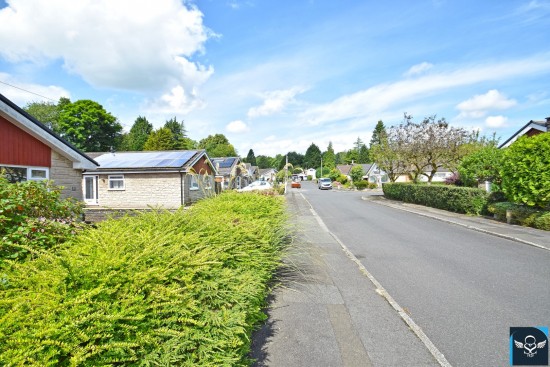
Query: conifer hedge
[157,289]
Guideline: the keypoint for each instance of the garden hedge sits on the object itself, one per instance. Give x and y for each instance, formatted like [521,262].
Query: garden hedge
[457,199]
[156,289]
[521,214]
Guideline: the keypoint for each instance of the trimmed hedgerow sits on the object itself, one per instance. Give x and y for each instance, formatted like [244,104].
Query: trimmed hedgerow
[34,218]
[156,289]
[457,199]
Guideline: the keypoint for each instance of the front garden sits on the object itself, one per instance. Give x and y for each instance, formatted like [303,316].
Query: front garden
[154,289]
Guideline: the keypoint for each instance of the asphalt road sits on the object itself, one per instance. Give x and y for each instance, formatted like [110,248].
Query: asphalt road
[464,288]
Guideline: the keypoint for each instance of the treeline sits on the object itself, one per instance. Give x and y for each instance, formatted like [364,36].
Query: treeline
[89,127]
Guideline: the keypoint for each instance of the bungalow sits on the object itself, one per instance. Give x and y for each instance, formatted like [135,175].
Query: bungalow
[29,151]
[529,129]
[311,172]
[268,174]
[137,180]
[232,172]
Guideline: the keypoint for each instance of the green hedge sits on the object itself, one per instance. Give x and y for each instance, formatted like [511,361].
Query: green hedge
[157,289]
[521,214]
[457,199]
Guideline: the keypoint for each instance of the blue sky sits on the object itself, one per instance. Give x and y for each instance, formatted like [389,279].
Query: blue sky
[276,76]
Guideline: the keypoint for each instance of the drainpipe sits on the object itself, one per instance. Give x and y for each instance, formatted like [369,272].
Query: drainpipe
[181,187]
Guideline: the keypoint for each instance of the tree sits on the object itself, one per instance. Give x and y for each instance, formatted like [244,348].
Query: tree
[45,112]
[217,146]
[161,139]
[179,134]
[525,171]
[388,155]
[329,157]
[356,173]
[363,155]
[88,126]
[251,158]
[296,159]
[138,135]
[312,158]
[482,165]
[377,133]
[264,162]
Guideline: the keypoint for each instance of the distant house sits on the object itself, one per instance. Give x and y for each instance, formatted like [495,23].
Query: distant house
[440,176]
[371,172]
[135,180]
[29,151]
[253,171]
[232,172]
[311,172]
[268,174]
[529,129]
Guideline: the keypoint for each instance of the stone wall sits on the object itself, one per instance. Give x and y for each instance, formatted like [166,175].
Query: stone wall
[142,190]
[63,174]
[192,196]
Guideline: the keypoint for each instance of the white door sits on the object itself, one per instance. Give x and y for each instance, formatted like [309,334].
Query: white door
[90,190]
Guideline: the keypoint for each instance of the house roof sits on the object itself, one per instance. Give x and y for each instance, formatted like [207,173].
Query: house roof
[224,165]
[542,126]
[180,160]
[344,168]
[38,130]
[264,171]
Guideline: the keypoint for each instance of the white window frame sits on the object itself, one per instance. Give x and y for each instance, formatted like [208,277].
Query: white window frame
[207,182]
[116,178]
[193,183]
[30,169]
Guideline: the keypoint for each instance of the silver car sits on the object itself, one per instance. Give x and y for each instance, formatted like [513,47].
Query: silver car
[324,183]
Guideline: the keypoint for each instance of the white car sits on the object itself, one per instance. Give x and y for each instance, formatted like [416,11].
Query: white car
[324,183]
[256,186]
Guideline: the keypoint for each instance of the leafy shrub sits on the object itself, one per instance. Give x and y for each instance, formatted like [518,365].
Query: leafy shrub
[481,165]
[543,222]
[521,214]
[453,179]
[525,171]
[372,185]
[457,199]
[356,173]
[343,179]
[309,177]
[34,218]
[158,288]
[334,175]
[360,185]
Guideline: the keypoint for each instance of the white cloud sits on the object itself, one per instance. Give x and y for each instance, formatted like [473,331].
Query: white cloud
[480,104]
[123,44]
[379,98]
[418,69]
[237,126]
[275,102]
[22,93]
[496,121]
[177,101]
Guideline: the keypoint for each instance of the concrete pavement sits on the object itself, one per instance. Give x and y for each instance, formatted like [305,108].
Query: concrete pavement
[328,312]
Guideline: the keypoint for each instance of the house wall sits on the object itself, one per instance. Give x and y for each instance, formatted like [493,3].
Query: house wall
[63,174]
[21,149]
[191,195]
[142,190]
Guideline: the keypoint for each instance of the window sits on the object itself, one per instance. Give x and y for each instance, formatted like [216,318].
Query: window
[20,174]
[116,182]
[207,182]
[193,184]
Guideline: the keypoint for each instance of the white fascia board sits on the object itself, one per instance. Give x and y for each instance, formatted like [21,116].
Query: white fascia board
[522,132]
[79,162]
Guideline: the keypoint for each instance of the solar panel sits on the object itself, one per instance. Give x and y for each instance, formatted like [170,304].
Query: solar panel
[145,159]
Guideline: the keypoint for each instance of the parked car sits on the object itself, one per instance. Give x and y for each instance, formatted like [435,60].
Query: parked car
[324,183]
[296,182]
[256,186]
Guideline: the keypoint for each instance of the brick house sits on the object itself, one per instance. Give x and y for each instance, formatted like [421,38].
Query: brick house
[529,129]
[138,180]
[29,151]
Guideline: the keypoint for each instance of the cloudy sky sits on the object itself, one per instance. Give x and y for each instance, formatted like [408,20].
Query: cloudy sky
[276,76]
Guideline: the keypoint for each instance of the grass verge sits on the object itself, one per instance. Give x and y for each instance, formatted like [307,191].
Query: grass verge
[158,289]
